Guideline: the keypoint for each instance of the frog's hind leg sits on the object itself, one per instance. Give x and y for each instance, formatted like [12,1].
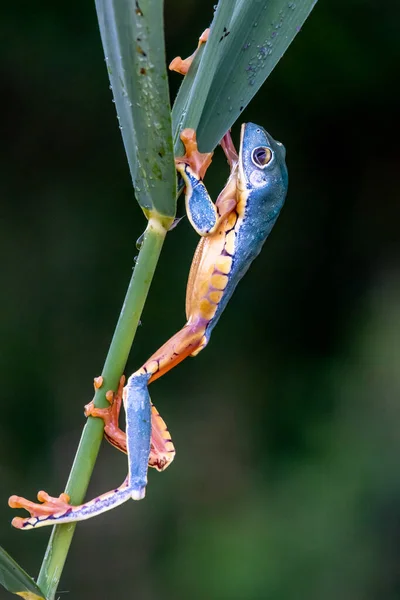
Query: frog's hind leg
[187,342]
[162,451]
[137,403]
[50,510]
[184,343]
[53,511]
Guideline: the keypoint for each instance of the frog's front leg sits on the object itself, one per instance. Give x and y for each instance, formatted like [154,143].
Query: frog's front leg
[203,214]
[200,209]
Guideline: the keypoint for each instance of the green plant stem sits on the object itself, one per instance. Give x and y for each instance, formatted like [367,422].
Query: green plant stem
[92,434]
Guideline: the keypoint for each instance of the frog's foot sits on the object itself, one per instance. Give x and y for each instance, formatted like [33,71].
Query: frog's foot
[110,416]
[182,65]
[48,509]
[197,161]
[97,383]
[53,511]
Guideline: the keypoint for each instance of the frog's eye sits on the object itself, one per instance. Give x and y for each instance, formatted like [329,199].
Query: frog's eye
[261,156]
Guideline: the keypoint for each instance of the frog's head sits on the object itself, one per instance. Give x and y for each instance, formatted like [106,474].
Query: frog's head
[261,161]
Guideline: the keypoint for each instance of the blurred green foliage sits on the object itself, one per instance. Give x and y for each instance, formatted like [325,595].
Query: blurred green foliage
[286,482]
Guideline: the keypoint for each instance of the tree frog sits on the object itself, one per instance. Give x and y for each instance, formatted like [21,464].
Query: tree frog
[233,231]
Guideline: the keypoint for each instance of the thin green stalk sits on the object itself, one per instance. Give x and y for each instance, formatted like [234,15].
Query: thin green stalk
[92,434]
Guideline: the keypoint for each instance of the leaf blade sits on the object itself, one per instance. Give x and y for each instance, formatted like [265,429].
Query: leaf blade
[133,42]
[15,580]
[259,34]
[258,40]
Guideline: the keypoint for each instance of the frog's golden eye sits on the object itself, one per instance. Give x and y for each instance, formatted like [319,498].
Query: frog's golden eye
[261,156]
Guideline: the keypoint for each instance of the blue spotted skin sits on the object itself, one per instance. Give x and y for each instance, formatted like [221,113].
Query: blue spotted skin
[234,231]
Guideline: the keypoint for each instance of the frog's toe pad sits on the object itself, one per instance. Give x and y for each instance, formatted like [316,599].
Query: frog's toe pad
[180,65]
[48,507]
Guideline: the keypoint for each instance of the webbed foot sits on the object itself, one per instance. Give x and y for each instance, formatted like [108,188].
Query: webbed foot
[181,65]
[197,161]
[48,508]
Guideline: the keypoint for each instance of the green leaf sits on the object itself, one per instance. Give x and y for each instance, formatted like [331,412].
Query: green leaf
[16,580]
[247,40]
[133,40]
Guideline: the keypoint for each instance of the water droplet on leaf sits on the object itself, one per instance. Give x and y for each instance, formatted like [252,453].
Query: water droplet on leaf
[139,242]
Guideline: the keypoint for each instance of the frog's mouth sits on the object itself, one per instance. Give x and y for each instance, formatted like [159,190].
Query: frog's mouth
[241,181]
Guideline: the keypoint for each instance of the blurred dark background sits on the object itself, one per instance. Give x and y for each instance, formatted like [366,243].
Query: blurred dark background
[286,482]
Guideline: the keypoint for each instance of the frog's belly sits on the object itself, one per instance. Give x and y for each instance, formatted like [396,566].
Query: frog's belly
[209,282]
